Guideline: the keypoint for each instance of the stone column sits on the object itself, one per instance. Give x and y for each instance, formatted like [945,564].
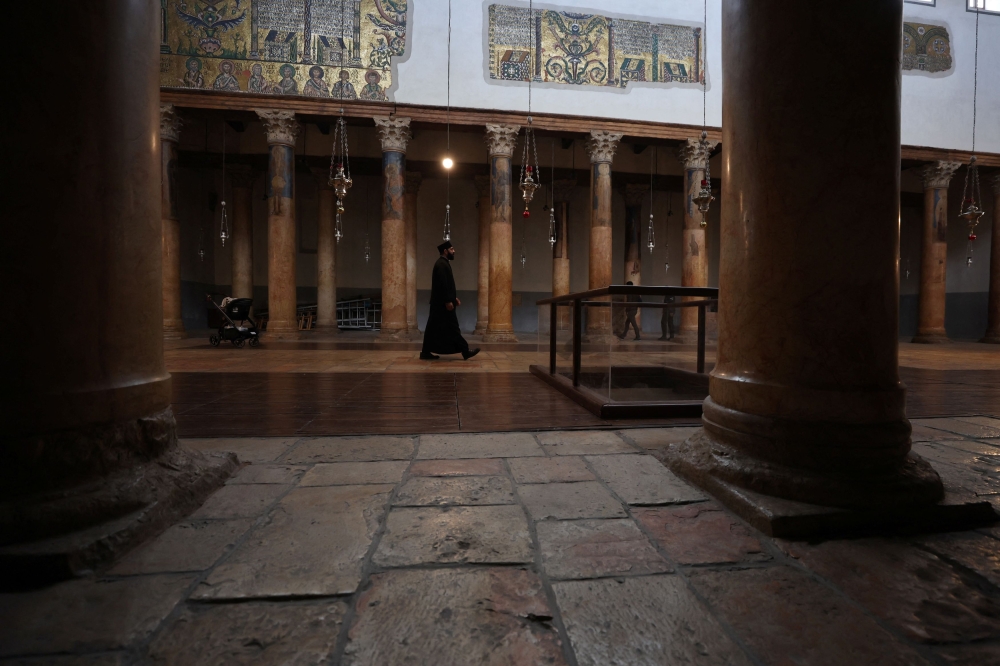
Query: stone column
[483,283]
[394,133]
[326,256]
[694,267]
[560,251]
[993,311]
[805,400]
[501,140]
[934,252]
[413,180]
[242,181]
[281,128]
[88,434]
[635,195]
[601,146]
[170,129]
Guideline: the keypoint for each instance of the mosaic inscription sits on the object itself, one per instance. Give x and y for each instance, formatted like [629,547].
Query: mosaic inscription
[318,48]
[590,49]
[926,48]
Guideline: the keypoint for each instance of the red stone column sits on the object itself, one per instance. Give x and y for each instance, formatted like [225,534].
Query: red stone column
[501,140]
[394,133]
[694,156]
[281,128]
[412,185]
[934,252]
[326,256]
[483,282]
[993,311]
[170,129]
[560,251]
[601,146]
[242,180]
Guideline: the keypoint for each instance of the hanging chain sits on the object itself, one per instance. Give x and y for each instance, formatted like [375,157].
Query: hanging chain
[971,194]
[446,232]
[224,231]
[650,233]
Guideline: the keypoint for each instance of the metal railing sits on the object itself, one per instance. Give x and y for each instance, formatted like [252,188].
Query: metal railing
[363,314]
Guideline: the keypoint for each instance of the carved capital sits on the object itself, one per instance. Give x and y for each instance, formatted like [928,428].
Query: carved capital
[242,176]
[562,190]
[501,139]
[994,181]
[635,194]
[170,123]
[602,144]
[281,126]
[322,176]
[412,181]
[483,186]
[394,133]
[938,174]
[694,153]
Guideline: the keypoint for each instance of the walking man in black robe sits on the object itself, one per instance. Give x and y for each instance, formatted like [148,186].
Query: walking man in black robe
[442,334]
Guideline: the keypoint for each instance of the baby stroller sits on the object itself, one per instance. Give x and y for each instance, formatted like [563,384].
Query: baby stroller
[232,310]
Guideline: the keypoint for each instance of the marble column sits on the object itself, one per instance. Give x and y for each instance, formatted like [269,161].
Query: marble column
[394,133]
[635,196]
[170,128]
[805,399]
[601,145]
[993,307]
[326,256]
[560,251]
[501,140]
[934,252]
[412,185]
[281,128]
[693,155]
[242,182]
[89,438]
[483,281]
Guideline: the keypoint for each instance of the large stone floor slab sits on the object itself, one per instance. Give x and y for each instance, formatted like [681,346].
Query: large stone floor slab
[486,445]
[313,544]
[657,438]
[189,546]
[642,479]
[463,490]
[962,427]
[247,449]
[586,499]
[978,552]
[701,533]
[102,659]
[354,473]
[643,621]
[494,617]
[240,501]
[351,449]
[468,467]
[254,634]
[549,470]
[264,473]
[583,442]
[596,548]
[473,534]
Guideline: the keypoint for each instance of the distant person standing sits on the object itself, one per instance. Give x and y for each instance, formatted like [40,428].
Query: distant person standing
[667,319]
[630,313]
[442,334]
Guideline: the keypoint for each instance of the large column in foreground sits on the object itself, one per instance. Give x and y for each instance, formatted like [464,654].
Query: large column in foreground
[326,256]
[281,128]
[501,140]
[993,311]
[934,252]
[601,145]
[412,185]
[694,155]
[170,130]
[805,400]
[394,133]
[483,281]
[242,180]
[560,251]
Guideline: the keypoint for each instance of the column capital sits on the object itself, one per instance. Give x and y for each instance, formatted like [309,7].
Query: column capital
[501,139]
[394,133]
[994,182]
[938,174]
[562,190]
[412,181]
[694,154]
[322,176]
[170,123]
[242,176]
[602,144]
[483,185]
[281,126]
[635,194]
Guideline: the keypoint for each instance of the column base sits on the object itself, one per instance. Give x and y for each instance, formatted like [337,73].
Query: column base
[174,330]
[480,328]
[279,331]
[326,329]
[499,336]
[598,338]
[395,335]
[687,337]
[991,340]
[931,339]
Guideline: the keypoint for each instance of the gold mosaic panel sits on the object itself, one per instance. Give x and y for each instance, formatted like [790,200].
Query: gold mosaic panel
[318,48]
[926,48]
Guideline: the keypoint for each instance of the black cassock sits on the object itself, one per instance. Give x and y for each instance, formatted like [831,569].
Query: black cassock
[442,334]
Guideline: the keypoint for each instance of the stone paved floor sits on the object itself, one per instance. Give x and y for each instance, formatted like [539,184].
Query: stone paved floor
[517,548]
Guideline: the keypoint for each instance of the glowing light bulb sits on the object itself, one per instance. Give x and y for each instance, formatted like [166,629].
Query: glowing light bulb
[447,163]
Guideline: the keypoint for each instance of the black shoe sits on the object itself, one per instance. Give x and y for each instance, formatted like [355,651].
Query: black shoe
[469,354]
[637,337]
[428,357]
[663,337]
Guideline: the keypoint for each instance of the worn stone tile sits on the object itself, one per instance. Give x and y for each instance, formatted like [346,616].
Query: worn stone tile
[189,546]
[975,654]
[468,490]
[596,548]
[313,544]
[657,438]
[492,616]
[786,617]
[263,634]
[473,534]
[468,467]
[240,501]
[89,615]
[643,479]
[549,470]
[485,445]
[247,449]
[968,480]
[987,421]
[961,427]
[980,447]
[354,473]
[351,449]
[103,659]
[282,474]
[921,595]
[582,442]
[701,533]
[586,499]
[922,433]
[941,451]
[976,551]
[649,620]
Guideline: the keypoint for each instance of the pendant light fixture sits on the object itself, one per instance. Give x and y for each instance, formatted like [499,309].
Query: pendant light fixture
[552,197]
[340,172]
[972,199]
[666,232]
[529,152]
[224,230]
[704,197]
[368,247]
[448,162]
[650,232]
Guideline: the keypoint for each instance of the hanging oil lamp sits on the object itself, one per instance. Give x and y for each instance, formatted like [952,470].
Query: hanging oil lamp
[340,172]
[704,198]
[447,222]
[528,170]
[650,233]
[224,227]
[971,199]
[552,195]
[552,228]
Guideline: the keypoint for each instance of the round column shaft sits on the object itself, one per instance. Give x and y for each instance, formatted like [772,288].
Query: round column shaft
[326,256]
[413,180]
[500,327]
[483,281]
[394,133]
[694,155]
[242,231]
[635,195]
[934,252]
[601,145]
[993,307]
[170,127]
[560,251]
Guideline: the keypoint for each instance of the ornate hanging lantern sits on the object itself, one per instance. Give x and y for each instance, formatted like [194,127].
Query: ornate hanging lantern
[224,227]
[705,198]
[552,227]
[971,201]
[529,169]
[340,172]
[650,232]
[447,222]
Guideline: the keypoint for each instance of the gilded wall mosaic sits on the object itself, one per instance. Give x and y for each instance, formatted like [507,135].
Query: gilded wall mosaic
[318,48]
[926,48]
[589,49]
